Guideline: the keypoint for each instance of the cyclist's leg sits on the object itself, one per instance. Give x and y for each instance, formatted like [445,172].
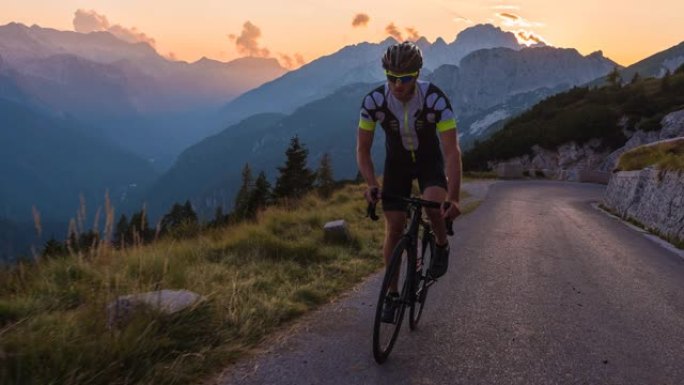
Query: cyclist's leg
[433,187]
[397,183]
[436,194]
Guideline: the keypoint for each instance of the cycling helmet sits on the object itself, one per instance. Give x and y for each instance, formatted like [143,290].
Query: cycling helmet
[403,58]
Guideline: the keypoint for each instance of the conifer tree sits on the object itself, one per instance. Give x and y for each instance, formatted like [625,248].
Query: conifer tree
[178,216]
[324,177]
[636,78]
[241,208]
[140,226]
[614,78]
[295,178]
[261,195]
[54,248]
[121,236]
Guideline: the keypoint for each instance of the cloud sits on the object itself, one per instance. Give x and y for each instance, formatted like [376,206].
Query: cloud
[393,31]
[512,20]
[412,34]
[292,62]
[131,35]
[529,38]
[461,19]
[360,20]
[247,43]
[172,56]
[90,21]
[505,6]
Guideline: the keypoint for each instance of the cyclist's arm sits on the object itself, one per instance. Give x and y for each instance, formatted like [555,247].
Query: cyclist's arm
[364,141]
[452,157]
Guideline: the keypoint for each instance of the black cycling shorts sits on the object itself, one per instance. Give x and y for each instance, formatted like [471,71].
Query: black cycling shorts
[398,180]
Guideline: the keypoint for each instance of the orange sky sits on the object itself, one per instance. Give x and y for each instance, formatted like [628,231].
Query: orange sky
[297,31]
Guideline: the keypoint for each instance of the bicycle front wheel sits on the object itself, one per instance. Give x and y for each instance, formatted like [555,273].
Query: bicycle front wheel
[422,281]
[397,279]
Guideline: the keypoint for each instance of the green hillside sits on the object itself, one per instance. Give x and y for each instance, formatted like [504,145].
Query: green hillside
[582,114]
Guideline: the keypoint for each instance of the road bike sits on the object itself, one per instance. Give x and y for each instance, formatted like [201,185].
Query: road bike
[408,273]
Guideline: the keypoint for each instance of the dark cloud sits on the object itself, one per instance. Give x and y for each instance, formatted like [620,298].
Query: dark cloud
[248,41]
[360,20]
[90,21]
[393,31]
[508,16]
[530,38]
[513,20]
[291,62]
[412,34]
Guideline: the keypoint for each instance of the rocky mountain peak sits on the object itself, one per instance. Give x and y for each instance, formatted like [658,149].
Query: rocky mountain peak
[486,35]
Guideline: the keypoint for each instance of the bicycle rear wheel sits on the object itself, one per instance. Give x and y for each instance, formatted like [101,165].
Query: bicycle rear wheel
[396,277]
[421,281]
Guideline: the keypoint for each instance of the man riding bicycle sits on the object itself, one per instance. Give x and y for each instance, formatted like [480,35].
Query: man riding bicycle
[416,116]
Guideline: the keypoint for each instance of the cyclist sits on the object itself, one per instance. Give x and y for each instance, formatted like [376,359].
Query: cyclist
[416,116]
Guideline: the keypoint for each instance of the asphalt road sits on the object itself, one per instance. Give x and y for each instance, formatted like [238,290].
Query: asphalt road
[542,289]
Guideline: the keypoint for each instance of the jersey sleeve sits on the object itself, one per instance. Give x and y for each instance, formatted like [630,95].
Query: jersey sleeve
[446,120]
[369,110]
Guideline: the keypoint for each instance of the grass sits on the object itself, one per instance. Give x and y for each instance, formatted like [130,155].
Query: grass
[255,278]
[666,156]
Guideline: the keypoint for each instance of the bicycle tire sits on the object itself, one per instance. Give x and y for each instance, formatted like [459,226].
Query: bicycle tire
[384,335]
[421,280]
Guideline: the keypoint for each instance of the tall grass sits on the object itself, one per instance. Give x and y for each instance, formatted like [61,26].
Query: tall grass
[254,277]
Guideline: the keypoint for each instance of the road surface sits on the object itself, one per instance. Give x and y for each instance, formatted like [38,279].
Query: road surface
[542,289]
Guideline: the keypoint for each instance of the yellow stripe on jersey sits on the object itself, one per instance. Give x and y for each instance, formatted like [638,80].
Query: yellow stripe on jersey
[446,125]
[366,125]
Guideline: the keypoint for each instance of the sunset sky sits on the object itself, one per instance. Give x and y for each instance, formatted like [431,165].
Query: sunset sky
[298,31]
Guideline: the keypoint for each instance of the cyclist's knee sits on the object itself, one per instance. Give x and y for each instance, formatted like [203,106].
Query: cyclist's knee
[394,223]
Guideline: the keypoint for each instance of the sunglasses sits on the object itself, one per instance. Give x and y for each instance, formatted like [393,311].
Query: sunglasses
[403,78]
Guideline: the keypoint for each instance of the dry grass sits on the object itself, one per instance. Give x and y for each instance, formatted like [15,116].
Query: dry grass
[255,278]
[663,156]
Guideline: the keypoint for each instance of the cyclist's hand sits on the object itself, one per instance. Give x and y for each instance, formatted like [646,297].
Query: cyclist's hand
[450,210]
[372,194]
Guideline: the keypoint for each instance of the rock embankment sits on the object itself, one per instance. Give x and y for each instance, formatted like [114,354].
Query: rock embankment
[654,198]
[651,197]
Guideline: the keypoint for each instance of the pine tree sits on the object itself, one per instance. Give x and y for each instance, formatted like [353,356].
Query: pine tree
[295,178]
[261,195]
[220,219]
[614,78]
[54,248]
[189,214]
[121,236]
[241,208]
[139,226]
[636,78]
[324,177]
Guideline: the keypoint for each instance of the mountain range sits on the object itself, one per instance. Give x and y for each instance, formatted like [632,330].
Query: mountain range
[83,113]
[359,63]
[128,93]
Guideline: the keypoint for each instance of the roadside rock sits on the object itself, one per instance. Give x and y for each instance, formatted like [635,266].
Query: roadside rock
[122,310]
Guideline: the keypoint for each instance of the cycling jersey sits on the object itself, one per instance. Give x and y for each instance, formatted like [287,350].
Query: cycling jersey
[411,128]
[412,144]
